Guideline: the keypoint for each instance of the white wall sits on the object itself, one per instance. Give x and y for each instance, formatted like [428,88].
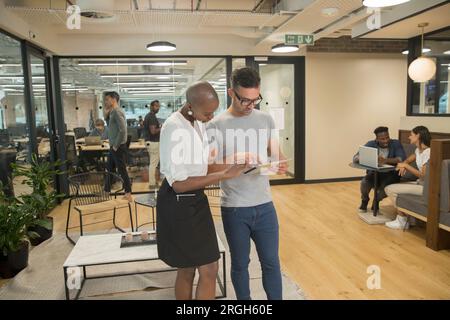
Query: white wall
[434,124]
[78,118]
[347,96]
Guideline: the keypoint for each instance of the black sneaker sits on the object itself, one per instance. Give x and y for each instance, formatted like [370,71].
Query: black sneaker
[363,206]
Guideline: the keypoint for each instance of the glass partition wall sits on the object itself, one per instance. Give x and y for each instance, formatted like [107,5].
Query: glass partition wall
[24,109]
[27,108]
[14,130]
[139,81]
[30,103]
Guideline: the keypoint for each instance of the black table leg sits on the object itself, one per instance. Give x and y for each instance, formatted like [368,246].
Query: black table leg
[375,194]
[153,217]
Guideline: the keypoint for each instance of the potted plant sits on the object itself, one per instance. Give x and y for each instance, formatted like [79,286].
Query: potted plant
[39,177]
[14,235]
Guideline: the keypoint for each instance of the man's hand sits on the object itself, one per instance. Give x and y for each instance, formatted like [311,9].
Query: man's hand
[282,168]
[381,160]
[279,168]
[243,157]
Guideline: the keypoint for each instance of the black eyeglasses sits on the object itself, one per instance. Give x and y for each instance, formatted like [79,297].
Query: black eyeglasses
[247,102]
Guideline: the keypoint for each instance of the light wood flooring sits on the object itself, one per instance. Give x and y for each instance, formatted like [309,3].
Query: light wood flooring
[326,248]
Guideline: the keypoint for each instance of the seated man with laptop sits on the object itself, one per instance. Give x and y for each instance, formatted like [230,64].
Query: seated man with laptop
[100,130]
[378,153]
[95,138]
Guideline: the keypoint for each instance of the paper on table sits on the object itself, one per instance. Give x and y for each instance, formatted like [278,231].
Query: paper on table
[266,165]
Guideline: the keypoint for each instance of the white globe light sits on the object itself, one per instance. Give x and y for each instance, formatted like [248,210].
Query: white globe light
[382,3]
[422,69]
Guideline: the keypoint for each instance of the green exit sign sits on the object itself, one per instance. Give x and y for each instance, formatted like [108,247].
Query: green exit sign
[307,39]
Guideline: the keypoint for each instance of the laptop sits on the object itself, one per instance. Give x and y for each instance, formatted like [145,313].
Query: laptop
[92,141]
[369,157]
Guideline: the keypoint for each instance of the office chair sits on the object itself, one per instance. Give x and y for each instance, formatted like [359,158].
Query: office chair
[80,132]
[133,133]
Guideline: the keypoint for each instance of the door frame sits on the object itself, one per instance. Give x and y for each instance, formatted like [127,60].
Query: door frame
[29,50]
[299,115]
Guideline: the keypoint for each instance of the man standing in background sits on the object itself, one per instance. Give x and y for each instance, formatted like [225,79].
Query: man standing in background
[117,135]
[152,129]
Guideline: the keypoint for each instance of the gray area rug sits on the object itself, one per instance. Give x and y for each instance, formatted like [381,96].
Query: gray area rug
[43,278]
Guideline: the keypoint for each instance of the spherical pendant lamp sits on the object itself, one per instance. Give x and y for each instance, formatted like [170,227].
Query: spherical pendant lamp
[422,69]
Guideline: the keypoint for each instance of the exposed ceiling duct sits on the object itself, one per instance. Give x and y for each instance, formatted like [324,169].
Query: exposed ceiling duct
[98,10]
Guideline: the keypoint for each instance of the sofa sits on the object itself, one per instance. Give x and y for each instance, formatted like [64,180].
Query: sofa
[417,205]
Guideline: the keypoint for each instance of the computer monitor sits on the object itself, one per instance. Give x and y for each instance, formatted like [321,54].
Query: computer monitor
[131,122]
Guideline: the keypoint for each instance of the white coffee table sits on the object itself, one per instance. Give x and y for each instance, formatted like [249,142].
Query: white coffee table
[96,250]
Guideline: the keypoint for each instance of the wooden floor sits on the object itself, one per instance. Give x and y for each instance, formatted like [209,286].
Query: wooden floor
[326,248]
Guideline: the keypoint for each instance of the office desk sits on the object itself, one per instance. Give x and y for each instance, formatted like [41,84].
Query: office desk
[376,209]
[105,147]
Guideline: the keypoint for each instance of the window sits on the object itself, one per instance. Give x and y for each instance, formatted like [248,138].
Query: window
[431,98]
[14,131]
[138,82]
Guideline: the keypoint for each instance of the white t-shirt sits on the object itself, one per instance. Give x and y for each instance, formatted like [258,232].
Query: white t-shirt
[422,158]
[184,149]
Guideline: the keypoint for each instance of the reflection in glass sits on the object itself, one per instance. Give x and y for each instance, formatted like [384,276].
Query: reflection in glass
[277,88]
[138,82]
[14,143]
[432,97]
[444,80]
[39,103]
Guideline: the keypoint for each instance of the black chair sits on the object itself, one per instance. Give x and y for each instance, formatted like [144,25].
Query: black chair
[7,157]
[134,133]
[4,137]
[136,158]
[80,132]
[88,195]
[18,130]
[71,154]
[42,132]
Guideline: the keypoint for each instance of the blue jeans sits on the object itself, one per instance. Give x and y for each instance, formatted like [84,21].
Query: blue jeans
[260,224]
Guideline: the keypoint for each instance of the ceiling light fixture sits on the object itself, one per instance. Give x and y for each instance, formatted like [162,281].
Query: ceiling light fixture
[144,83]
[147,88]
[19,77]
[133,63]
[382,3]
[422,69]
[140,75]
[284,48]
[424,50]
[447,52]
[161,46]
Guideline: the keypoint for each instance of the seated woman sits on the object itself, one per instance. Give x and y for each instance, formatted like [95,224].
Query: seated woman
[421,137]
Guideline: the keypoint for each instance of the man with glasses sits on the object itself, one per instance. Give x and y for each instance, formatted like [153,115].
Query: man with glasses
[246,201]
